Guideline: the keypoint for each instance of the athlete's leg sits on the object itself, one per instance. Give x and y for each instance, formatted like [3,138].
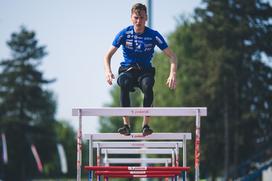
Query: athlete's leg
[146,84]
[146,120]
[125,81]
[126,120]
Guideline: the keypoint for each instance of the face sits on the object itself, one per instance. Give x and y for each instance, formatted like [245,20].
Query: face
[138,20]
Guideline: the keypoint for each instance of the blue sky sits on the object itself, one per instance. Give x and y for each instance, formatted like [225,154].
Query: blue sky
[77,35]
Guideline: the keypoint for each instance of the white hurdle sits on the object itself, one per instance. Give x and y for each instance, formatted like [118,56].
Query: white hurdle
[196,112]
[131,142]
[158,143]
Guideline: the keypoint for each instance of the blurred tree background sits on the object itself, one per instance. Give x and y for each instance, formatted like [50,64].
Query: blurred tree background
[27,114]
[224,63]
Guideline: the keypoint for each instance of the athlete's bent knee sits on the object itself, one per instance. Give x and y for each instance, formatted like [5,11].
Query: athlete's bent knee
[147,83]
[124,81]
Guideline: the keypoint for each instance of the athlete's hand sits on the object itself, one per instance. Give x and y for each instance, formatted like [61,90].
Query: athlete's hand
[172,81]
[109,77]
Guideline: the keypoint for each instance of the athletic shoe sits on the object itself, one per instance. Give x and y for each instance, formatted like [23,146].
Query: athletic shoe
[125,130]
[147,130]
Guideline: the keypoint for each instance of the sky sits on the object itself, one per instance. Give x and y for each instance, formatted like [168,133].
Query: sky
[77,34]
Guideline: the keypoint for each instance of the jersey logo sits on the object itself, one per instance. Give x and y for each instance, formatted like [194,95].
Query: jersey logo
[147,38]
[129,36]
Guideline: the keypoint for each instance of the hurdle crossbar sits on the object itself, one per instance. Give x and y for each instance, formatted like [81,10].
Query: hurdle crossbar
[140,175]
[136,151]
[137,172]
[138,160]
[137,144]
[134,172]
[140,111]
[137,136]
[196,112]
[138,168]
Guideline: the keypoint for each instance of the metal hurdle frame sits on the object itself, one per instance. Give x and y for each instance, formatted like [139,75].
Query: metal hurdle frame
[173,143]
[182,137]
[135,144]
[197,112]
[111,148]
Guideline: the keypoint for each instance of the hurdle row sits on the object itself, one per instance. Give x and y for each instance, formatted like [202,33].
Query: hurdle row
[107,169]
[137,144]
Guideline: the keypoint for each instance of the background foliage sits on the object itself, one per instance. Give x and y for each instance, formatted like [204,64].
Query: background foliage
[224,54]
[27,113]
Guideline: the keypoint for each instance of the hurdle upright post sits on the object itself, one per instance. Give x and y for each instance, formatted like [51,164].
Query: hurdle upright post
[79,145]
[184,164]
[197,146]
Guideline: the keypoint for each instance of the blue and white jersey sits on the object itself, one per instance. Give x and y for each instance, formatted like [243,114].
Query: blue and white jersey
[138,48]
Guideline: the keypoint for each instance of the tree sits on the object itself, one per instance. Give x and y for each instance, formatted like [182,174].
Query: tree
[240,33]
[27,109]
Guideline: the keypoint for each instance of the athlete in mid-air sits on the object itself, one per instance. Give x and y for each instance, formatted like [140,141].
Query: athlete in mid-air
[136,70]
